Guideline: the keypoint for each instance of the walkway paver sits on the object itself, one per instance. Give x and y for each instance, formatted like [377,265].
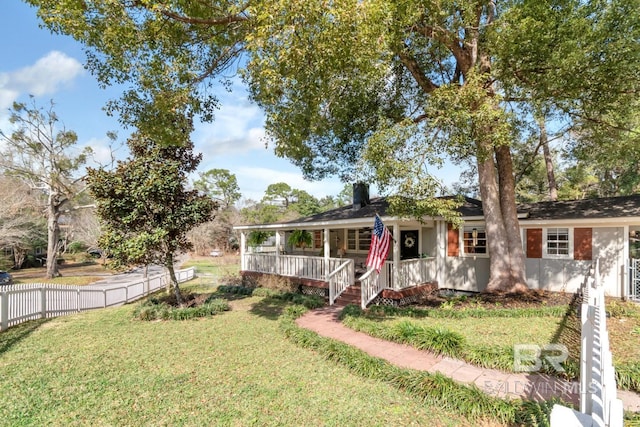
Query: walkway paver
[531,386]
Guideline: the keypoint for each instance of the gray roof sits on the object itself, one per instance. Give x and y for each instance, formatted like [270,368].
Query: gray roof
[604,207]
[380,206]
[607,207]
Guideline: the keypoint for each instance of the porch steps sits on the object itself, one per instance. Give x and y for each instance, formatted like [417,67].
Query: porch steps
[351,295]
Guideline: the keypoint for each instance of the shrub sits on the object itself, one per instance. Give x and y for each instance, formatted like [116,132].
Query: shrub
[158,309]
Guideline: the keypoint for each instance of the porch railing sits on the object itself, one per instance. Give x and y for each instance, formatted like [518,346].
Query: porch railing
[411,272]
[372,284]
[308,267]
[634,279]
[340,279]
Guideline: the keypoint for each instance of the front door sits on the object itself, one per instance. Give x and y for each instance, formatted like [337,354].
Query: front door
[409,244]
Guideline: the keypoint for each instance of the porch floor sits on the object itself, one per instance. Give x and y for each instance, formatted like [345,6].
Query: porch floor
[538,387]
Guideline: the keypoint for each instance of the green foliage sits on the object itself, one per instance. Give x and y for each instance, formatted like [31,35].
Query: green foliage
[219,184]
[300,239]
[473,312]
[143,205]
[256,238]
[443,341]
[628,376]
[157,309]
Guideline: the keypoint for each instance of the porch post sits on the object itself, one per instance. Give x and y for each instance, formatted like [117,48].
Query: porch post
[243,244]
[441,253]
[277,252]
[626,262]
[327,273]
[396,255]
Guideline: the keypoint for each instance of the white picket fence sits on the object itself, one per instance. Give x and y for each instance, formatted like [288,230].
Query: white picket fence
[599,405]
[20,303]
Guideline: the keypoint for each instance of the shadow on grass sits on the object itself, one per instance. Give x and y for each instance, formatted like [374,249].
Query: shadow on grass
[15,334]
[269,308]
[569,330]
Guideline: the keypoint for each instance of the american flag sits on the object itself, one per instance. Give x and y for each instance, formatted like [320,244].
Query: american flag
[380,244]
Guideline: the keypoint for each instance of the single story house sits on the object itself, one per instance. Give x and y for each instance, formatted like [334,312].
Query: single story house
[561,241]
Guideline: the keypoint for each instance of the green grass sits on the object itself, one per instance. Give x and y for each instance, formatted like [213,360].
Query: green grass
[482,340]
[217,267]
[236,368]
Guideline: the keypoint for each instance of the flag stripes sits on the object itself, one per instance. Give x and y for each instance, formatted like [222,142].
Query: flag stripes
[380,244]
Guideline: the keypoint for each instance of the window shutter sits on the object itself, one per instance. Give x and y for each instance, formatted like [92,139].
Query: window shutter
[453,241]
[534,243]
[582,246]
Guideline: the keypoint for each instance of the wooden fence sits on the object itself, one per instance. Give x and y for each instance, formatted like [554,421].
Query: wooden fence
[20,303]
[599,405]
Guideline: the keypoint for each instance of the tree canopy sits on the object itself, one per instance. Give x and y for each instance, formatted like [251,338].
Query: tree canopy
[379,88]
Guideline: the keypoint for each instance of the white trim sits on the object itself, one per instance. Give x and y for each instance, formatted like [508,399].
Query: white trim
[462,253]
[546,255]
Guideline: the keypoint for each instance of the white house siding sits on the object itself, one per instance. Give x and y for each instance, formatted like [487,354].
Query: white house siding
[429,242]
[608,247]
[558,275]
[466,274]
[563,275]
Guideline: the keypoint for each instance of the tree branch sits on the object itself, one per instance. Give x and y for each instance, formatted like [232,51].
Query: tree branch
[204,21]
[418,75]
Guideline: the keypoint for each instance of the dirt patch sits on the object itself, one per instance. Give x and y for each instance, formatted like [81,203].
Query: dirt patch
[530,299]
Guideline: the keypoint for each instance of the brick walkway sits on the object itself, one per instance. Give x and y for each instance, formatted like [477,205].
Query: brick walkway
[529,386]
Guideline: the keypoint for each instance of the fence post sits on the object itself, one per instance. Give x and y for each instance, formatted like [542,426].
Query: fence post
[4,311]
[78,300]
[43,302]
[104,292]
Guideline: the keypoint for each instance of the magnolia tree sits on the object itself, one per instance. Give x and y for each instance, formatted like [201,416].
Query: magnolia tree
[144,207]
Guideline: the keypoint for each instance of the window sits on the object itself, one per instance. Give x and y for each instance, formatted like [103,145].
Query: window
[474,239]
[558,242]
[364,239]
[351,240]
[318,241]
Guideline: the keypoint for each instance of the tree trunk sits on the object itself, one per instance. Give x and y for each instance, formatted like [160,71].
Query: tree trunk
[53,233]
[548,160]
[173,279]
[19,256]
[506,188]
[499,268]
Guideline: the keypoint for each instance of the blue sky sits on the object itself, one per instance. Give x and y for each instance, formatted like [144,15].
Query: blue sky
[50,67]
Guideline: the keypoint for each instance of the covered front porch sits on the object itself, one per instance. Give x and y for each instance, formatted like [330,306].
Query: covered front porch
[335,261]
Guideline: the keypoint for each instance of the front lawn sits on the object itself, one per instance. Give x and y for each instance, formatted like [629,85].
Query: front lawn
[236,368]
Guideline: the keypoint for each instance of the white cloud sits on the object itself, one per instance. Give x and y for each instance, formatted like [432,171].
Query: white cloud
[237,129]
[47,76]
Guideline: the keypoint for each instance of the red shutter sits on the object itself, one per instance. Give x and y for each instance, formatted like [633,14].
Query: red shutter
[453,241]
[534,243]
[582,246]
